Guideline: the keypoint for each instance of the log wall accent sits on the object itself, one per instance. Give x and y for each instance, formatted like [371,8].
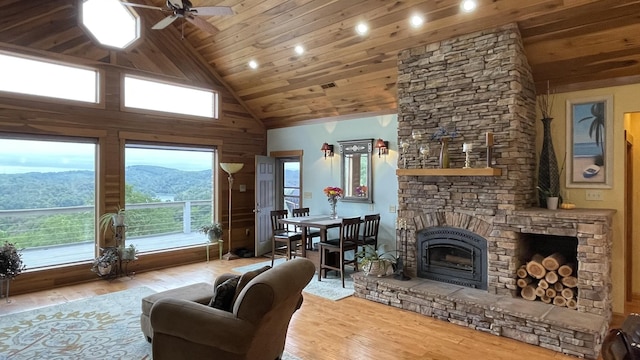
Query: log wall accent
[159,55]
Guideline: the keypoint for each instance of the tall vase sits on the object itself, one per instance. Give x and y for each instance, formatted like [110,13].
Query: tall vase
[332,204]
[444,153]
[548,174]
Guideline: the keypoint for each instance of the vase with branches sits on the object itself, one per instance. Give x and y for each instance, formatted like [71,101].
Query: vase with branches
[548,173]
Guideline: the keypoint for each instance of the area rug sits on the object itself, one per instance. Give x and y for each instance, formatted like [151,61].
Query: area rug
[329,288]
[101,327]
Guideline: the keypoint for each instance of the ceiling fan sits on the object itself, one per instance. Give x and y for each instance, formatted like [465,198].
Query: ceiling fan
[185,10]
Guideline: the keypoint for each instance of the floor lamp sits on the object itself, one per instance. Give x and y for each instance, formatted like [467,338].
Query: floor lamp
[230,168]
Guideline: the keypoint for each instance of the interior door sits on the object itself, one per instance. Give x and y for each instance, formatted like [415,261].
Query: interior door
[265,202]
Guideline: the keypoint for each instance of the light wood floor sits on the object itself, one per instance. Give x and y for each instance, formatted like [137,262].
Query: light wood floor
[351,328]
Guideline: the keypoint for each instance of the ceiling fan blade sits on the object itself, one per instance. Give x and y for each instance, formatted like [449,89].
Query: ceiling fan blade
[141,6]
[202,24]
[212,10]
[165,22]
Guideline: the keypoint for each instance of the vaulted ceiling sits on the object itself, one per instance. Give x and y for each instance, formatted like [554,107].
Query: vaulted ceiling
[572,44]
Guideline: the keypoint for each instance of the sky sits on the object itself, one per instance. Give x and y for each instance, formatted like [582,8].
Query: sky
[23,156]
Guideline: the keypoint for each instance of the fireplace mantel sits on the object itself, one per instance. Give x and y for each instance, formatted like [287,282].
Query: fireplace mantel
[450,172]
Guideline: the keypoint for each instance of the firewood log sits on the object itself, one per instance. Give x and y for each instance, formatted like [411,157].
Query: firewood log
[572,304]
[528,292]
[524,282]
[551,277]
[553,261]
[558,286]
[567,293]
[560,301]
[545,299]
[570,281]
[535,268]
[543,284]
[566,270]
[550,292]
[522,272]
[540,292]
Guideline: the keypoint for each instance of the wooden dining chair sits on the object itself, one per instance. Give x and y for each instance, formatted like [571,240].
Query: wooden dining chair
[310,232]
[280,234]
[348,241]
[370,227]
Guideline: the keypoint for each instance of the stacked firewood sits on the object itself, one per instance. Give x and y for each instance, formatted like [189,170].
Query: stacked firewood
[549,279]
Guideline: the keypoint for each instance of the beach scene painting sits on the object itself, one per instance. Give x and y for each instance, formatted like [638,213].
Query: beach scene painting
[589,124]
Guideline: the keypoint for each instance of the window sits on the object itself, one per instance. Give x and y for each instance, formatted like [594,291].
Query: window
[158,96]
[291,184]
[110,22]
[47,79]
[47,197]
[169,195]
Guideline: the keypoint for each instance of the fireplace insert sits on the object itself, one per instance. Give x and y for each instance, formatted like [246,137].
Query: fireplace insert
[452,255]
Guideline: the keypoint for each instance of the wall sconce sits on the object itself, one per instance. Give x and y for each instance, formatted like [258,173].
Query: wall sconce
[382,146]
[327,149]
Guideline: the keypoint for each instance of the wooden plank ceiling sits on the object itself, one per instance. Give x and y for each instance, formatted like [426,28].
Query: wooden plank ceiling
[572,44]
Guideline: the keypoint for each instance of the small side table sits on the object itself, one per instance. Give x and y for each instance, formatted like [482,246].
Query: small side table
[220,243]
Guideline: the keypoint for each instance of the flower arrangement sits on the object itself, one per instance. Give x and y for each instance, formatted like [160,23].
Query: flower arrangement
[10,261]
[333,193]
[362,190]
[443,133]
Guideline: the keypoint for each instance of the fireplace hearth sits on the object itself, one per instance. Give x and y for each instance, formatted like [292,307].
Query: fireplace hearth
[454,256]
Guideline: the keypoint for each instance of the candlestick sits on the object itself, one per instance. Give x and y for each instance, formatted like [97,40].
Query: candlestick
[489,149]
[467,155]
[467,147]
[489,139]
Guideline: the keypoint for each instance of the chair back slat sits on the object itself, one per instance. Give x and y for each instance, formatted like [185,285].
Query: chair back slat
[277,227]
[300,212]
[350,230]
[370,228]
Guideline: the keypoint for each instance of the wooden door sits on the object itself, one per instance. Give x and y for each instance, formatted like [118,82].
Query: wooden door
[264,202]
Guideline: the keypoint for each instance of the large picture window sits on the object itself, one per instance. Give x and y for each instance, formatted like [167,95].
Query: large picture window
[47,197]
[169,195]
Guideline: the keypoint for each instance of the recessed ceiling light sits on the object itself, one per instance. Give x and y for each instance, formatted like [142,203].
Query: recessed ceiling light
[299,50]
[468,5]
[362,28]
[416,21]
[253,64]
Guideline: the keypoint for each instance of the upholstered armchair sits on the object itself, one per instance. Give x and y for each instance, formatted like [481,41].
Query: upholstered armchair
[255,329]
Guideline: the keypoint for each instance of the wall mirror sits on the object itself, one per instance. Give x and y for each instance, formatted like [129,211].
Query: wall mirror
[356,170]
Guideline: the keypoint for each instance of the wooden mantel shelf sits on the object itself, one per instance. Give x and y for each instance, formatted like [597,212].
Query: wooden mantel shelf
[450,172]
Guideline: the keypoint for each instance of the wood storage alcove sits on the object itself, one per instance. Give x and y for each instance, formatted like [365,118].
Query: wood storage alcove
[548,270]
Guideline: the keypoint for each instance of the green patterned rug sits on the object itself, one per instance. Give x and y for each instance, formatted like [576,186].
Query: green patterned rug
[101,327]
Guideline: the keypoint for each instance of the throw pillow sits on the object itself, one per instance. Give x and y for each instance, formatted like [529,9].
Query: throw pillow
[224,294]
[247,277]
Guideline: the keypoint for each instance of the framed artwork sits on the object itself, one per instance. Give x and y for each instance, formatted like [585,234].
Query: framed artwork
[590,142]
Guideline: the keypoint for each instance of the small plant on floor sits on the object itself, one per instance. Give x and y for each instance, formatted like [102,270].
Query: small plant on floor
[376,262]
[10,261]
[213,231]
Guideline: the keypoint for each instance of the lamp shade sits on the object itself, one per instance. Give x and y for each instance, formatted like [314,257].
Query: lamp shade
[380,144]
[231,168]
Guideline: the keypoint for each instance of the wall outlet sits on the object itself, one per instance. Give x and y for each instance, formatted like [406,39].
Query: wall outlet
[243,188]
[594,195]
[392,209]
[247,231]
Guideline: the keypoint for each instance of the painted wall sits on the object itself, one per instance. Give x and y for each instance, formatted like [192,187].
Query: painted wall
[625,100]
[318,172]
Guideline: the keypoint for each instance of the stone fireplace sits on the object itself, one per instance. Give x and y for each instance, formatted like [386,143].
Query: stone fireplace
[467,235]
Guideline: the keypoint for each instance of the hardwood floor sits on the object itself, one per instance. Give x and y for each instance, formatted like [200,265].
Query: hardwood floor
[351,328]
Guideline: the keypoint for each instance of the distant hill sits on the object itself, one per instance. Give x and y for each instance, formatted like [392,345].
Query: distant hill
[76,188]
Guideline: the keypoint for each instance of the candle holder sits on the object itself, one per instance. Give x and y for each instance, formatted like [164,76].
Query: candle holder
[404,144]
[424,151]
[467,161]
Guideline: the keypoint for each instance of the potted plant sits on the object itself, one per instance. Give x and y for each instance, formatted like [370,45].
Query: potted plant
[103,265]
[213,231]
[117,218]
[376,262]
[10,261]
[129,253]
[552,196]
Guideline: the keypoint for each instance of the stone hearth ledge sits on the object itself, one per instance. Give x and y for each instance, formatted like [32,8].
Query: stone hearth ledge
[560,329]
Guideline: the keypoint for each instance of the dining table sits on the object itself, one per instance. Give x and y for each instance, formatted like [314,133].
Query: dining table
[321,222]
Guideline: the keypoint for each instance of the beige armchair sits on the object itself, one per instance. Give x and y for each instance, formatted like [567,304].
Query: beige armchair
[256,328]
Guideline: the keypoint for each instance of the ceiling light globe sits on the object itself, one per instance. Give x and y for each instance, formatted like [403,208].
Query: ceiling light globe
[362,28]
[468,5]
[416,21]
